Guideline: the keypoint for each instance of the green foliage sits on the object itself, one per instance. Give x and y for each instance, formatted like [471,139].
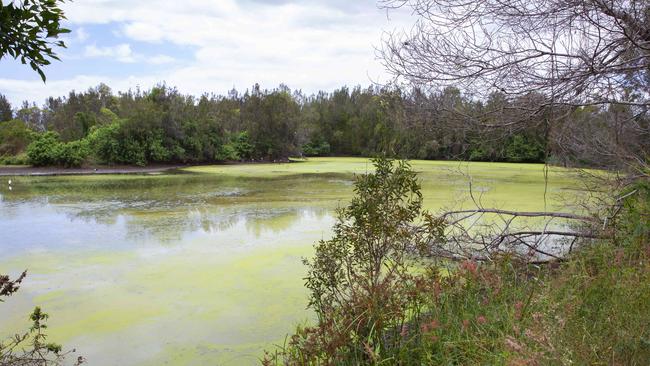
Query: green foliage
[14,137]
[521,149]
[591,309]
[362,281]
[46,149]
[227,152]
[6,113]
[164,126]
[242,145]
[71,154]
[316,147]
[30,347]
[20,159]
[29,31]
[43,150]
[104,142]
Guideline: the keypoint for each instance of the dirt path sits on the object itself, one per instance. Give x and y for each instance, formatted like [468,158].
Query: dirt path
[7,170]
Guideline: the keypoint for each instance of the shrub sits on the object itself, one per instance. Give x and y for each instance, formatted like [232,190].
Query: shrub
[30,347]
[363,281]
[43,150]
[47,150]
[316,148]
[243,146]
[72,154]
[227,152]
[104,142]
[378,304]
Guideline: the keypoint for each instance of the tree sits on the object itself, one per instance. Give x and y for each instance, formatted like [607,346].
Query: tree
[546,58]
[6,112]
[573,52]
[14,137]
[29,31]
[363,280]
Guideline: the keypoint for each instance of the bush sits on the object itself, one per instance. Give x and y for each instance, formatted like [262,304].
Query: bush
[104,142]
[316,148]
[30,347]
[227,152]
[20,159]
[363,281]
[376,304]
[72,154]
[243,147]
[47,150]
[522,149]
[43,150]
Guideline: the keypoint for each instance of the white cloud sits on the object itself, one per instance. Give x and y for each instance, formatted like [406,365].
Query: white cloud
[160,60]
[81,35]
[305,44]
[121,52]
[34,90]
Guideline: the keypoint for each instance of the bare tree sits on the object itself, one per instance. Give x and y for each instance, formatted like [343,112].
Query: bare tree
[581,68]
[578,52]
[548,58]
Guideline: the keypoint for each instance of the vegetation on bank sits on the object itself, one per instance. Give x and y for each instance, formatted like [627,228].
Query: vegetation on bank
[380,299]
[162,125]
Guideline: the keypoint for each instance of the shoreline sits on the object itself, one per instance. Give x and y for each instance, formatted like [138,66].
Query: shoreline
[8,170]
[31,171]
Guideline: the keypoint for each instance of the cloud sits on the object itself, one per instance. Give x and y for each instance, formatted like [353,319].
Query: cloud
[81,35]
[160,59]
[121,52]
[211,46]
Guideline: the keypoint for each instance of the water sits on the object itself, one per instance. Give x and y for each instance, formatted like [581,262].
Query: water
[201,266]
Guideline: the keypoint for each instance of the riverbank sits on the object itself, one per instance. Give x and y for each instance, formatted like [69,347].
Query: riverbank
[22,170]
[28,170]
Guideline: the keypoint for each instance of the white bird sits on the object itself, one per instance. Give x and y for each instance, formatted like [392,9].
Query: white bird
[9,181]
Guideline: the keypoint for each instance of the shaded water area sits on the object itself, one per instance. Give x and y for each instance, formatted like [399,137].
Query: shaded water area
[201,265]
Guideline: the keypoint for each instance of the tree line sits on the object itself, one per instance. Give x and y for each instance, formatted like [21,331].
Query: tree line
[162,125]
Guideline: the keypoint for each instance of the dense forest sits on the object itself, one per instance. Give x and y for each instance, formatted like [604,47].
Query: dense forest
[161,125]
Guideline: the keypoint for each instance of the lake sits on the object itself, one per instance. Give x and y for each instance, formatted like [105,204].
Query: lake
[202,265]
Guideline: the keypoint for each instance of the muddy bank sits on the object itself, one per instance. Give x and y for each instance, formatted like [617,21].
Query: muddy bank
[7,170]
[21,170]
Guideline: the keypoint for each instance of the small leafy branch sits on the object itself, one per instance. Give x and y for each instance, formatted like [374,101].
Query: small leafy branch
[29,30]
[31,347]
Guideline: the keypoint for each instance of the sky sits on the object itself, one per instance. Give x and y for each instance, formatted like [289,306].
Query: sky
[211,46]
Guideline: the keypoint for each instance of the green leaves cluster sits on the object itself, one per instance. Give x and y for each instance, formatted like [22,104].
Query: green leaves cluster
[379,303]
[363,282]
[48,150]
[29,31]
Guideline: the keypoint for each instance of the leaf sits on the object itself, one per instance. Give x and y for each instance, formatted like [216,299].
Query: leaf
[40,72]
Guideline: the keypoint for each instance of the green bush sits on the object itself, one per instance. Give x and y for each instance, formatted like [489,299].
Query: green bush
[376,305]
[20,159]
[104,142]
[316,147]
[227,152]
[243,147]
[522,149]
[72,154]
[47,150]
[43,150]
